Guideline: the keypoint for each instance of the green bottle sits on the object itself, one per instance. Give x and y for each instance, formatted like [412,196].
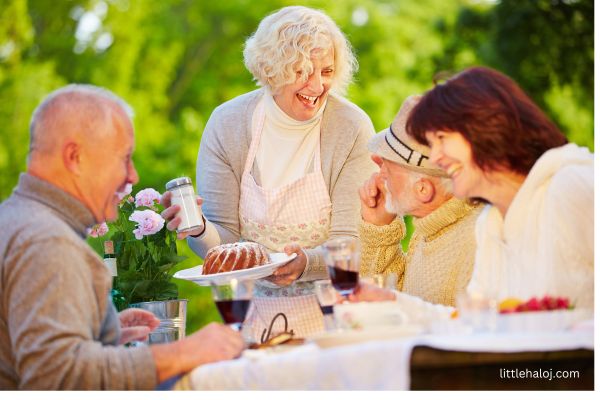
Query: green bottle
[110,260]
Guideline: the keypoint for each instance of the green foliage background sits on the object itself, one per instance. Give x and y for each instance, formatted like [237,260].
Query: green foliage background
[174,61]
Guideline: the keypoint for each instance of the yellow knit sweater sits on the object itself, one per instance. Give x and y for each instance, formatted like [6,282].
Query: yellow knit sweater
[440,257]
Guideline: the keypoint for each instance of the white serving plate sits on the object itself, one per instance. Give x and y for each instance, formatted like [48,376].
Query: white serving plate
[348,337]
[541,321]
[195,275]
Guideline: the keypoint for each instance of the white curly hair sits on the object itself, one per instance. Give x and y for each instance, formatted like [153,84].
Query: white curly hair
[284,42]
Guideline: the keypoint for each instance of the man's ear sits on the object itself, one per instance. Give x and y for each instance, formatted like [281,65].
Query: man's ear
[71,155]
[424,189]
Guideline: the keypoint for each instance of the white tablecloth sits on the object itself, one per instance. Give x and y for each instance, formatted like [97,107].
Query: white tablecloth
[375,365]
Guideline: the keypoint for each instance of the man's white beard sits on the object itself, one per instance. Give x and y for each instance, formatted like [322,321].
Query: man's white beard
[390,204]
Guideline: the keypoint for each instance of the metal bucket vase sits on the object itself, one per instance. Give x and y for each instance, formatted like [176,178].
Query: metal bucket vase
[172,314]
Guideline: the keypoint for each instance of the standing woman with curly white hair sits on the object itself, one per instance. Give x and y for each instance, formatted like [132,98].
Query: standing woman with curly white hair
[282,165]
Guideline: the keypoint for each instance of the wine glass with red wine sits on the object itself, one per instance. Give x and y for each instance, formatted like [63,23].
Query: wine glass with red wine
[342,257]
[233,300]
[327,297]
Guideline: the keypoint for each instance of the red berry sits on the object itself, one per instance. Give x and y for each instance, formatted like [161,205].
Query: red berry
[533,304]
[562,303]
[549,303]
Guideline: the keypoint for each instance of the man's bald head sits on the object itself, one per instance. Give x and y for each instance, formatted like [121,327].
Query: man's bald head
[74,111]
[82,141]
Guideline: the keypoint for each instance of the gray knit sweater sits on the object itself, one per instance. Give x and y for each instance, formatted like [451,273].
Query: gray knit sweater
[345,164]
[58,327]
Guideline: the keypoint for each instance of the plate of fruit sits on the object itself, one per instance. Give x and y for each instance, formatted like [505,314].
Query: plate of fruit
[539,314]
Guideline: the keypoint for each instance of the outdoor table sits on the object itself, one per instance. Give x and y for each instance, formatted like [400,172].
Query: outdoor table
[474,361]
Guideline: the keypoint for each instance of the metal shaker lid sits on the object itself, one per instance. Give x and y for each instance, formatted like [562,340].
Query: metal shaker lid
[173,183]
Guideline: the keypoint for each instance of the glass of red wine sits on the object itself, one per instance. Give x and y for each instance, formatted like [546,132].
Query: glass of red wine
[327,297]
[342,257]
[233,300]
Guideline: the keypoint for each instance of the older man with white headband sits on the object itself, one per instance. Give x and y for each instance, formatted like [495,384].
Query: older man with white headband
[439,261]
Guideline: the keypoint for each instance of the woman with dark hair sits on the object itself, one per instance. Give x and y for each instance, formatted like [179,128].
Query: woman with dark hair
[536,235]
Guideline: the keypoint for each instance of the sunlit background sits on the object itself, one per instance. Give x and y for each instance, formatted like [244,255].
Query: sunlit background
[174,61]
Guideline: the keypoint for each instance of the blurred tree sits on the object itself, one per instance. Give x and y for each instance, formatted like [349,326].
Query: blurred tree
[547,46]
[24,81]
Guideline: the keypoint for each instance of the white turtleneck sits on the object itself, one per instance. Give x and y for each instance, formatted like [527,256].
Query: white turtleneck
[287,147]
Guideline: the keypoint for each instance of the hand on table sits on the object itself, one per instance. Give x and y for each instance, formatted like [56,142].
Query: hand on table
[215,342]
[136,324]
[287,274]
[170,212]
[372,199]
[370,292]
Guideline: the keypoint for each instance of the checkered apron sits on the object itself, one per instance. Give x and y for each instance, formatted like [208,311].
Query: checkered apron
[299,212]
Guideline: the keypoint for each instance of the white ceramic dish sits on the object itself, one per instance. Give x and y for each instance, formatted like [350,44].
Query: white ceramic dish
[195,274]
[541,321]
[348,337]
[365,315]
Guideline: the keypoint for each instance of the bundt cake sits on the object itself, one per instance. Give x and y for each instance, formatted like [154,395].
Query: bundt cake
[234,256]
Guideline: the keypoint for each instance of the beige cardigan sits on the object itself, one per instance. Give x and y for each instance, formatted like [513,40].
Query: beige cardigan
[440,257]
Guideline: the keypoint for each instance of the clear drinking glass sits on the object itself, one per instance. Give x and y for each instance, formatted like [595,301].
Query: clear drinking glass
[476,311]
[233,300]
[327,297]
[342,257]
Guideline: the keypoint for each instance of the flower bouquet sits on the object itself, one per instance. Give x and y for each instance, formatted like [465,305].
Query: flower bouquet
[146,251]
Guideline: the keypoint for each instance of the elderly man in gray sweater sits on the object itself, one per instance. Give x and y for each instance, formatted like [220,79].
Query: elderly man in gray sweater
[58,327]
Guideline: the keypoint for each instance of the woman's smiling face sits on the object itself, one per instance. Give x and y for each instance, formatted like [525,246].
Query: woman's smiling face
[302,99]
[452,152]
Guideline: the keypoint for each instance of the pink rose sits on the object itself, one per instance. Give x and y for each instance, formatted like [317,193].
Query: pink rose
[148,223]
[147,198]
[126,191]
[98,230]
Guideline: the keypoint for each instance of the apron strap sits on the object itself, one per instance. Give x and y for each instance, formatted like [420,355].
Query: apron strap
[258,121]
[317,159]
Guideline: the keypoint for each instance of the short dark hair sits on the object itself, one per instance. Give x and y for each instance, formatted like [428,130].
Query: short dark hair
[504,127]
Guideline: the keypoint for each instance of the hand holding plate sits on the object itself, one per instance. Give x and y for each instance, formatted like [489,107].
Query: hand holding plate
[287,274]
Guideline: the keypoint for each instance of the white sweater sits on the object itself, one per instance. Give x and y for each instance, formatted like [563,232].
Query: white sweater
[545,244]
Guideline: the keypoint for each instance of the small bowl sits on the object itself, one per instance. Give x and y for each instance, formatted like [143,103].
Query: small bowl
[541,321]
[369,315]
